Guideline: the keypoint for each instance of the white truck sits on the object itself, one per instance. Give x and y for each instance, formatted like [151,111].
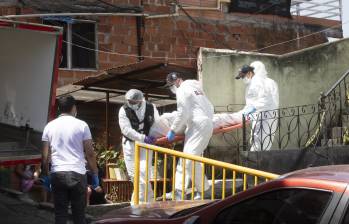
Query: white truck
[29,61]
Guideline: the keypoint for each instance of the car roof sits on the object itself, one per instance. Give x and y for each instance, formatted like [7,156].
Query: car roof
[338,173]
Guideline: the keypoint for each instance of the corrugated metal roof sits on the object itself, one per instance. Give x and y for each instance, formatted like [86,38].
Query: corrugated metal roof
[148,76]
[79,6]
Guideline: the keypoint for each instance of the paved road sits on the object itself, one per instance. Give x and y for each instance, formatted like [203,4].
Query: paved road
[15,211]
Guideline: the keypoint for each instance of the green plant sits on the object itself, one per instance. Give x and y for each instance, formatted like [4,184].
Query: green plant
[109,155]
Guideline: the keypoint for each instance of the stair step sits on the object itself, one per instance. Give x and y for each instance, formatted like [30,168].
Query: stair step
[331,142]
[337,132]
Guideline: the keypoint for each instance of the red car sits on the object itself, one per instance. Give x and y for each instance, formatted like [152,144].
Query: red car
[309,196]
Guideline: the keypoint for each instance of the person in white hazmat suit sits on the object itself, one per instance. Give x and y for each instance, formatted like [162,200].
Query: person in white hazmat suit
[261,95]
[195,112]
[136,117]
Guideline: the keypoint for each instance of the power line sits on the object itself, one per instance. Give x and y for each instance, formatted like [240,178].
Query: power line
[225,55]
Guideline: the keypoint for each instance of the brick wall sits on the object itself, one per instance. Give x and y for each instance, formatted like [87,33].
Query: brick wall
[179,37]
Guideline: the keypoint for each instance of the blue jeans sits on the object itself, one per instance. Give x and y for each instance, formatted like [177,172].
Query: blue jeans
[69,187]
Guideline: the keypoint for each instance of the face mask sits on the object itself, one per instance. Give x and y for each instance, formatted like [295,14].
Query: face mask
[173,89]
[246,80]
[135,106]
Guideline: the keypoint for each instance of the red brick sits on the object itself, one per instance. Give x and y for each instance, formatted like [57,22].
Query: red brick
[182,25]
[105,46]
[164,46]
[104,28]
[199,42]
[103,57]
[116,20]
[158,54]
[117,38]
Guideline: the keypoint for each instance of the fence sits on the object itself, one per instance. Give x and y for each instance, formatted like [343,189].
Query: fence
[313,125]
[190,165]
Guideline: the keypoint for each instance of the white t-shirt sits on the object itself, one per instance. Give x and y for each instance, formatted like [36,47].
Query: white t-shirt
[65,136]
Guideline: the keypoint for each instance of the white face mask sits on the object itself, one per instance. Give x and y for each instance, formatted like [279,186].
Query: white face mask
[134,106]
[173,89]
[246,80]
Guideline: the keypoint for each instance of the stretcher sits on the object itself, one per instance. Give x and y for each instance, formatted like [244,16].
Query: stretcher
[178,138]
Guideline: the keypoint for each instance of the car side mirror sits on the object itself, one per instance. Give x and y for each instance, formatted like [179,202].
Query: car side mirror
[192,220]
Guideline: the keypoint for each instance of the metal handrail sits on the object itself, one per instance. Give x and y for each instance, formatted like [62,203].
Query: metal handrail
[336,84]
[202,160]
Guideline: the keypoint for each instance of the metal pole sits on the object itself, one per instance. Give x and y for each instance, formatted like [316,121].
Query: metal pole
[244,141]
[136,177]
[107,119]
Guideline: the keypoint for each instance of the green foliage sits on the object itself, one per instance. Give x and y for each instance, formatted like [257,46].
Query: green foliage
[346,136]
[109,155]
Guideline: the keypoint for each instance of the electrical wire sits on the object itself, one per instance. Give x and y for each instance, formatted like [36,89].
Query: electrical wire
[214,56]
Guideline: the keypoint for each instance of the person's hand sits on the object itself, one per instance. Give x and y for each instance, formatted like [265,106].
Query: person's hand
[95,181]
[170,135]
[149,140]
[249,110]
[46,182]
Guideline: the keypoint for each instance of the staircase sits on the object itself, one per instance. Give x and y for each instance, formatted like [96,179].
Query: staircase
[336,111]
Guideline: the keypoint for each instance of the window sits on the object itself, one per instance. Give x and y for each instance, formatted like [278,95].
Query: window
[286,206]
[78,38]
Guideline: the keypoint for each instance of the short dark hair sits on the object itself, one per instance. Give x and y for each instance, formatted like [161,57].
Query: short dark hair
[66,104]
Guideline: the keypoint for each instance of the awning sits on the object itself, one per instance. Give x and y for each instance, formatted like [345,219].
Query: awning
[147,76]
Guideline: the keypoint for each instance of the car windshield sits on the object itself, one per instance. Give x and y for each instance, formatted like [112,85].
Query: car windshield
[189,210]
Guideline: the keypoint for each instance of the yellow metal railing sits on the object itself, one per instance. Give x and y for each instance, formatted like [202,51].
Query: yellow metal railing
[257,175]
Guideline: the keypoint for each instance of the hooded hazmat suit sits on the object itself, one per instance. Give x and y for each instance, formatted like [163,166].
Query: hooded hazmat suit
[131,135]
[262,93]
[195,111]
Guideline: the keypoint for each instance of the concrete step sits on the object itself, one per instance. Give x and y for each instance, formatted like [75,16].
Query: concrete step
[331,142]
[337,132]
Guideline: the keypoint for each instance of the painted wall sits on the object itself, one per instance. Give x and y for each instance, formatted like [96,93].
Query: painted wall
[301,76]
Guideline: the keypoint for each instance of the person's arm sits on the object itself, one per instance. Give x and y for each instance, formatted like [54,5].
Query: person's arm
[126,128]
[45,157]
[90,156]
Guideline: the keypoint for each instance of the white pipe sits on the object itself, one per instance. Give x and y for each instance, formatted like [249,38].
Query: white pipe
[162,16]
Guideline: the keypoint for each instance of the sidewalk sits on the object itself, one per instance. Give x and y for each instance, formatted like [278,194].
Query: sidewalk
[13,210]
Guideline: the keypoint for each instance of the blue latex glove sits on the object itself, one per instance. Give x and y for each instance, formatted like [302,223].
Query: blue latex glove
[95,181]
[47,183]
[149,140]
[170,135]
[249,110]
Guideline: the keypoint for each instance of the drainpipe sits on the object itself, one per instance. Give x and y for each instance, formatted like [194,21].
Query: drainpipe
[140,41]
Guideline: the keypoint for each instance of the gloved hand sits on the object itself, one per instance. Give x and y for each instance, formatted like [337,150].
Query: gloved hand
[47,183]
[149,140]
[95,181]
[170,135]
[249,110]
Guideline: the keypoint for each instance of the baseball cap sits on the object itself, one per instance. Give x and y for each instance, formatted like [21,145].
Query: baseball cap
[243,71]
[171,78]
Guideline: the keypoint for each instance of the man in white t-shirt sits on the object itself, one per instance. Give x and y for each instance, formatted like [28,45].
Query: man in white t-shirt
[67,142]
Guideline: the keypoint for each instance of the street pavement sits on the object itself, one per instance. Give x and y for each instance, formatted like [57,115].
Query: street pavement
[16,211]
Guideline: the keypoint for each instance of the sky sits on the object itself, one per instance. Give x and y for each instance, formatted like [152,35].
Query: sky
[345,4]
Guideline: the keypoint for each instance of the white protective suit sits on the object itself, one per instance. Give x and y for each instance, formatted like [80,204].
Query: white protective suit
[262,93]
[129,151]
[195,112]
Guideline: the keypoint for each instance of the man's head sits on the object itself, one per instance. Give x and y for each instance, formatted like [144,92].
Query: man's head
[173,81]
[246,71]
[67,105]
[134,98]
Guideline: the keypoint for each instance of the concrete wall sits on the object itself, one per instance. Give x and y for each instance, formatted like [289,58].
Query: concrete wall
[301,77]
